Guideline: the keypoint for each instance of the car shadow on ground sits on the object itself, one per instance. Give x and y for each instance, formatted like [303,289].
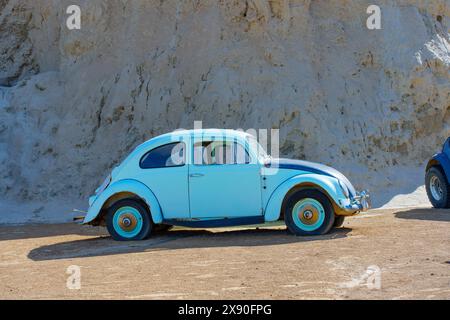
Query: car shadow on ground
[33,231]
[425,214]
[175,240]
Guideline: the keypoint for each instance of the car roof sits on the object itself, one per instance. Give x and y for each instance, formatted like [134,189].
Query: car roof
[209,132]
[175,135]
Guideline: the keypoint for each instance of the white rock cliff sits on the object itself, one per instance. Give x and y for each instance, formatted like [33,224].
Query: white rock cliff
[374,104]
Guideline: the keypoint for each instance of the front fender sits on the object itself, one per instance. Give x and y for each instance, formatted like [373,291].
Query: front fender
[127,185]
[443,160]
[326,183]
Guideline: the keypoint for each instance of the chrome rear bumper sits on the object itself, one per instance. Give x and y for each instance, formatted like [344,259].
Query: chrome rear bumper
[79,218]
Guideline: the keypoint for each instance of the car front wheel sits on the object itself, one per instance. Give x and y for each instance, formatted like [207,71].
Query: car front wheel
[128,219]
[308,212]
[438,189]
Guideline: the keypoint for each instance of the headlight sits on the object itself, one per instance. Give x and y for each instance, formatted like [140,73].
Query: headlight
[104,185]
[344,189]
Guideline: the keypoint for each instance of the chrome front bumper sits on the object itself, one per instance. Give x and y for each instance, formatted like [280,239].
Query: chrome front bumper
[361,202]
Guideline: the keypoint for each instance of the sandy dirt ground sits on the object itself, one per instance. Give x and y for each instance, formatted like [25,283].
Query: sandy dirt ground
[387,254]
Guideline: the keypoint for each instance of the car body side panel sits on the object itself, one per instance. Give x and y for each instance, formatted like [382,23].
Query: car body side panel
[130,186]
[232,190]
[224,190]
[273,207]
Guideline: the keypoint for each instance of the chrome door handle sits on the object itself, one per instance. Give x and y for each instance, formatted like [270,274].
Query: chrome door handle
[196,175]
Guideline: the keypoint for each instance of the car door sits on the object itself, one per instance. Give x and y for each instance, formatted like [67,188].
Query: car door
[164,170]
[222,185]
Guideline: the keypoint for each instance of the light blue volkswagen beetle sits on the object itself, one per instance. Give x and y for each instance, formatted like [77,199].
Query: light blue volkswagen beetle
[214,178]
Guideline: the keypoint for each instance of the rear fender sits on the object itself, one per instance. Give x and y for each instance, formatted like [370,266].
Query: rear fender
[128,186]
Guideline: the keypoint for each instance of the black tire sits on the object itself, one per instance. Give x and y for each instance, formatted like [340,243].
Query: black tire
[444,199]
[316,195]
[147,224]
[338,221]
[162,227]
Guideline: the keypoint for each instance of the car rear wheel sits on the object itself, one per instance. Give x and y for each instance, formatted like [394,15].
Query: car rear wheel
[128,219]
[338,221]
[308,212]
[438,188]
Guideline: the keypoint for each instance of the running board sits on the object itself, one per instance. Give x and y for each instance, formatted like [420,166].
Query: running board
[216,223]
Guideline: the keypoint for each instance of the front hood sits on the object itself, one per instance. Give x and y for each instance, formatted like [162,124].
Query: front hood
[311,167]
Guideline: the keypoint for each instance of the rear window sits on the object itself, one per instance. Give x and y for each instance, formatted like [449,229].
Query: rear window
[168,155]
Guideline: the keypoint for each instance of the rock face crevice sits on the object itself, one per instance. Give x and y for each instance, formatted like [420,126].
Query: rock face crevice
[372,103]
[16,56]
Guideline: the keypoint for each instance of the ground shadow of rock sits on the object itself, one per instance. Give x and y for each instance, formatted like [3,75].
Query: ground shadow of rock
[175,240]
[425,214]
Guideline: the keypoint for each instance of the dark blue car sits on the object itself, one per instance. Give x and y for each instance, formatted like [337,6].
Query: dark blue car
[437,178]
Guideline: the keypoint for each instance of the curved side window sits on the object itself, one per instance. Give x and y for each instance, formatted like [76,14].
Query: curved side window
[220,152]
[168,155]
